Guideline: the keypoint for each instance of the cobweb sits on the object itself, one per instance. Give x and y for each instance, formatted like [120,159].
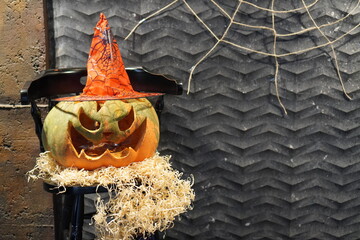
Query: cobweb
[300,13]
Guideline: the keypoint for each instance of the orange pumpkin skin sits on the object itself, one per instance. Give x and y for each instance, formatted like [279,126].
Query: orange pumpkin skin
[93,134]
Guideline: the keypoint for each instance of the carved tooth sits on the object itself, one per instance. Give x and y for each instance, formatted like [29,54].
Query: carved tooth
[82,153]
[73,149]
[132,150]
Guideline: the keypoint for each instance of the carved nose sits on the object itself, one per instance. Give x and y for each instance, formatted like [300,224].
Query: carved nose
[107,134]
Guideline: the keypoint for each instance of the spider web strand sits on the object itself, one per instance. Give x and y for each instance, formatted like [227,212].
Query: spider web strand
[215,45]
[276,75]
[280,11]
[148,17]
[332,49]
[277,35]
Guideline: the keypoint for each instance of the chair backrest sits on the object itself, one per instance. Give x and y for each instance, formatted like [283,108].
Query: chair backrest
[58,82]
[55,82]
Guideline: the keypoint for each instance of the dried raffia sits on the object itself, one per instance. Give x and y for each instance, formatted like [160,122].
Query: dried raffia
[144,197]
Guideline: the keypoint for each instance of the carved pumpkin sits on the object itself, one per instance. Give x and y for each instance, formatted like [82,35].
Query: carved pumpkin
[93,134]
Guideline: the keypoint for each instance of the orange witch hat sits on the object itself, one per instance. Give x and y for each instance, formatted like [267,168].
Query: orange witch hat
[107,78]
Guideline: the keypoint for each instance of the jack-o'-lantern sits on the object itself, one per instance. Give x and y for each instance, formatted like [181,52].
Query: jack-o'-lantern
[109,124]
[92,134]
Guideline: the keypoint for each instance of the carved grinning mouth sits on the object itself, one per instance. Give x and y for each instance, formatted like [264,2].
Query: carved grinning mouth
[117,149]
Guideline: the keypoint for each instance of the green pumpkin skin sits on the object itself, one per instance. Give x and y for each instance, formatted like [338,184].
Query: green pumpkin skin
[93,134]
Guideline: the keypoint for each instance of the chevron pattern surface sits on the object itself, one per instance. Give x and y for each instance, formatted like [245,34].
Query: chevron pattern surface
[259,174]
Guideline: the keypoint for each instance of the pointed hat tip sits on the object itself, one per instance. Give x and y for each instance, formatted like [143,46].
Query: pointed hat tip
[103,23]
[102,17]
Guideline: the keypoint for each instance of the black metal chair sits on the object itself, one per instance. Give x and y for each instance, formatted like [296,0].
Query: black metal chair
[69,206]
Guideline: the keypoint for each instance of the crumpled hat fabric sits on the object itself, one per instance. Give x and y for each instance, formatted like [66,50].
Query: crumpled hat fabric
[107,78]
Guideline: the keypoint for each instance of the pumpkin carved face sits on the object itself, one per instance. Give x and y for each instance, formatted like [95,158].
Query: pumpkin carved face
[93,134]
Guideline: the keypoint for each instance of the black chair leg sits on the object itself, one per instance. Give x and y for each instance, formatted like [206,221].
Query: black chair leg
[62,204]
[77,217]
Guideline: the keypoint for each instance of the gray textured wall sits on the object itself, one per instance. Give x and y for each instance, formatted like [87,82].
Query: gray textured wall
[258,174]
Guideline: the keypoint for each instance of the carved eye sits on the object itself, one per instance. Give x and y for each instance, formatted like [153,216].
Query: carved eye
[126,122]
[87,122]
